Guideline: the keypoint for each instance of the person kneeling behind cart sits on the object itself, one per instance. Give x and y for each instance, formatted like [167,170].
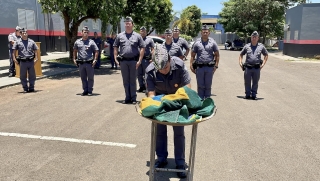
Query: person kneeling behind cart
[165,75]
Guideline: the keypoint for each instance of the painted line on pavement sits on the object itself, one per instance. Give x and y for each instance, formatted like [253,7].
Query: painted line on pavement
[72,140]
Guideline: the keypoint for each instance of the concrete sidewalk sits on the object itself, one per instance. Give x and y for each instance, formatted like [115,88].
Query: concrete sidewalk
[48,68]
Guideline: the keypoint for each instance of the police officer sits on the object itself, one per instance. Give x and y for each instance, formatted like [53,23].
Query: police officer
[27,57]
[99,44]
[252,65]
[206,62]
[180,41]
[82,56]
[111,42]
[172,48]
[12,38]
[146,58]
[165,75]
[132,49]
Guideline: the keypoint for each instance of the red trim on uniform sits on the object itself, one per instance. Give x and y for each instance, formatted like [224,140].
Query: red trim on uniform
[7,31]
[302,41]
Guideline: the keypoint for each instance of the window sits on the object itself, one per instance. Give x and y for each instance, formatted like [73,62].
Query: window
[95,24]
[26,19]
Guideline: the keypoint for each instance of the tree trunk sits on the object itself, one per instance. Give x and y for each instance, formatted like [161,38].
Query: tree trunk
[73,38]
[119,27]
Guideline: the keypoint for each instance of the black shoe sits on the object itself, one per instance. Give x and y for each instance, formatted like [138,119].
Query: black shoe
[181,174]
[253,97]
[159,164]
[25,91]
[31,90]
[11,75]
[134,102]
[126,102]
[89,93]
[84,93]
[247,97]
[111,67]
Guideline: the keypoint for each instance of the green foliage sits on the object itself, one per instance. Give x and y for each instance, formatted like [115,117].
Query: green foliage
[74,12]
[186,37]
[189,22]
[153,14]
[245,16]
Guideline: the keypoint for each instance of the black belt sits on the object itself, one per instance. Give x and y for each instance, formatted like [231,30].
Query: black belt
[250,66]
[82,61]
[25,59]
[130,59]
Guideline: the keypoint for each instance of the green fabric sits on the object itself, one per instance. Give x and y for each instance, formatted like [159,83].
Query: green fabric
[185,106]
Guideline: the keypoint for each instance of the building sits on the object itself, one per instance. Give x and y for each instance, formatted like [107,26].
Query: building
[302,31]
[45,28]
[212,21]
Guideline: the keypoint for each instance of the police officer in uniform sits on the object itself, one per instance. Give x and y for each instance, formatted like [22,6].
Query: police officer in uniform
[111,42]
[252,65]
[165,75]
[132,49]
[83,57]
[180,41]
[99,44]
[172,48]
[12,38]
[206,62]
[27,57]
[146,58]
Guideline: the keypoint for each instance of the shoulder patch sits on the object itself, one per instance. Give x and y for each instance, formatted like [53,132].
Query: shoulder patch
[178,61]
[150,68]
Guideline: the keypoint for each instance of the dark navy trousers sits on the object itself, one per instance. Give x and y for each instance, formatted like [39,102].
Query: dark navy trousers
[142,71]
[162,144]
[129,76]
[98,63]
[12,65]
[87,76]
[27,67]
[204,81]
[251,75]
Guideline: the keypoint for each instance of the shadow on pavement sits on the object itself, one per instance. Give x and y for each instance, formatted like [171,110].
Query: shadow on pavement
[257,99]
[165,176]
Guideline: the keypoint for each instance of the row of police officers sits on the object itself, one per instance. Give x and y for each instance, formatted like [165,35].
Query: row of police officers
[164,72]
[160,67]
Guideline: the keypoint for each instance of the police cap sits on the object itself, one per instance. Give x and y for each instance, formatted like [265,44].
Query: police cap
[176,28]
[168,31]
[160,57]
[18,28]
[205,27]
[128,19]
[143,28]
[85,28]
[255,33]
[23,30]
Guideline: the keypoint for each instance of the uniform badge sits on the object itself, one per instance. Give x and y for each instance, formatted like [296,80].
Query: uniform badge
[175,85]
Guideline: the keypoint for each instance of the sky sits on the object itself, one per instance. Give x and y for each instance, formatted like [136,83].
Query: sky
[212,7]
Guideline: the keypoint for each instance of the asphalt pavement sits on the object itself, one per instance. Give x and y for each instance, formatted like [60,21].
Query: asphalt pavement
[56,134]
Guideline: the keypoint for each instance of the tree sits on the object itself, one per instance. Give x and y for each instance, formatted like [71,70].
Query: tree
[74,12]
[245,16]
[189,22]
[153,14]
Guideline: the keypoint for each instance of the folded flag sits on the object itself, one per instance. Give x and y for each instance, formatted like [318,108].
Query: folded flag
[185,107]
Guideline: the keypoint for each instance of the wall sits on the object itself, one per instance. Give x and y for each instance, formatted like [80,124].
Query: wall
[303,37]
[48,28]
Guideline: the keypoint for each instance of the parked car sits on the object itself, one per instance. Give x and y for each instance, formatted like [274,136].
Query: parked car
[157,39]
[237,44]
[106,49]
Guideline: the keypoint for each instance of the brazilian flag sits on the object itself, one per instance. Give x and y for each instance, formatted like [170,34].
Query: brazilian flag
[185,107]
